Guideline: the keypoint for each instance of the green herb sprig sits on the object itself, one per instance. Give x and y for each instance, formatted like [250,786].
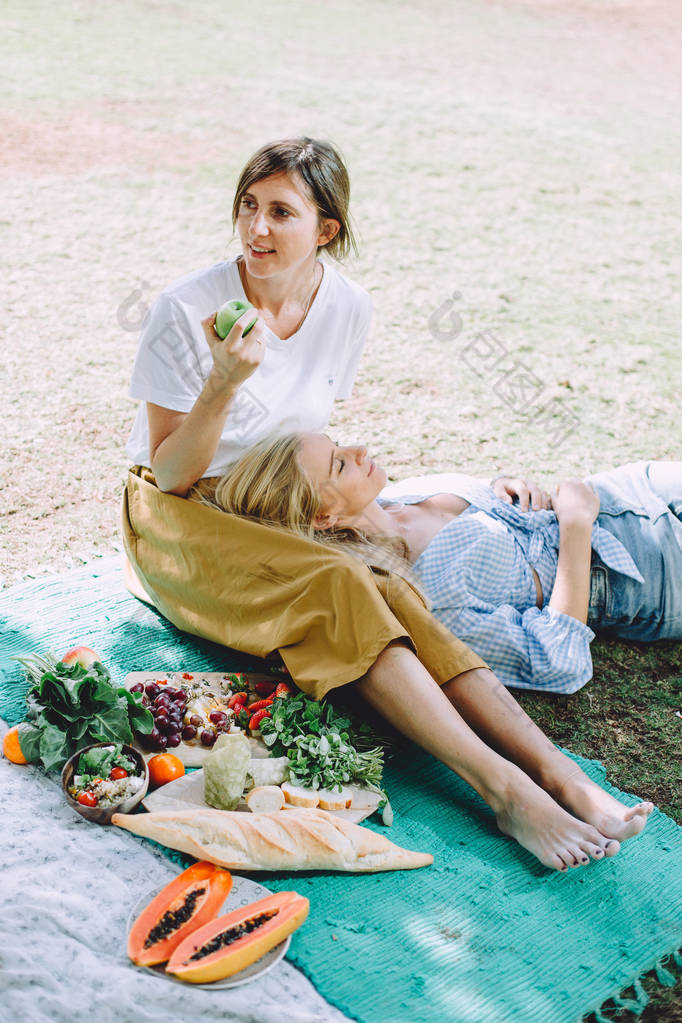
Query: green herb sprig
[321,745]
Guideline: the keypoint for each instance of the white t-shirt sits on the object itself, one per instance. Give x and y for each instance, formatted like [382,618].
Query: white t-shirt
[293,388]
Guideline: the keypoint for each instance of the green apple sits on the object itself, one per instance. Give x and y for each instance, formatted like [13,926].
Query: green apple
[228,314]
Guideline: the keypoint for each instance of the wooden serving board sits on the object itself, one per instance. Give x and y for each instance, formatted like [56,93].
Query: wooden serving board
[194,755]
[187,793]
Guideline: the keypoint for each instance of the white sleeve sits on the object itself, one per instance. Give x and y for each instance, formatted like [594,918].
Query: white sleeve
[471,488]
[167,369]
[344,387]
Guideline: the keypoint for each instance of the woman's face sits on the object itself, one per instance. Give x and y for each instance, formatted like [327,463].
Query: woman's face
[344,477]
[279,226]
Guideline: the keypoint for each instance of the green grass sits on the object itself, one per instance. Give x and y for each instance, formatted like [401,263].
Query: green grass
[625,717]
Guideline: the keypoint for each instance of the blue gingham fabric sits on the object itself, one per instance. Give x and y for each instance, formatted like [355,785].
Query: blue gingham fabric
[476,573]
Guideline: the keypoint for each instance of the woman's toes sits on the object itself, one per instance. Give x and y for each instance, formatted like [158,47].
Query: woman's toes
[554,860]
[578,856]
[568,860]
[641,809]
[611,847]
[592,851]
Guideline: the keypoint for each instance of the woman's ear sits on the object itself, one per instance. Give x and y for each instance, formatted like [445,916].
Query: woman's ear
[328,230]
[324,522]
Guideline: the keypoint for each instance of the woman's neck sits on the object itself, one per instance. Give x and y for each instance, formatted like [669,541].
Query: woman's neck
[275,293]
[377,521]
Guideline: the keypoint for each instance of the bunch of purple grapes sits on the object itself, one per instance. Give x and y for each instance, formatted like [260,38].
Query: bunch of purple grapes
[168,709]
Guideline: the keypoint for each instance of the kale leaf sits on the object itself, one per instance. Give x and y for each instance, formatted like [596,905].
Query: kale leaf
[71,706]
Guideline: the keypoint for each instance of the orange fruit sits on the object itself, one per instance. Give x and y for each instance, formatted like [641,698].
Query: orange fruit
[11,747]
[164,767]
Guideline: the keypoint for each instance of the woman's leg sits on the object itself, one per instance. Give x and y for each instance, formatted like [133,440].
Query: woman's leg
[494,714]
[641,505]
[400,688]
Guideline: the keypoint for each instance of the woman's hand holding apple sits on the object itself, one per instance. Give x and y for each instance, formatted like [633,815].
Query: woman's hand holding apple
[236,357]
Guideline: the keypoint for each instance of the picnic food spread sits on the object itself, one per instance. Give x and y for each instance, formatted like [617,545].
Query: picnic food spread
[246,772]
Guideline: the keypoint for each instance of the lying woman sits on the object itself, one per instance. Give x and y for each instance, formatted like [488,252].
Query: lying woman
[310,487]
[524,589]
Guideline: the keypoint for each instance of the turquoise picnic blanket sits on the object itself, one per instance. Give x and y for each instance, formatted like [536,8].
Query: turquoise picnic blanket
[485,935]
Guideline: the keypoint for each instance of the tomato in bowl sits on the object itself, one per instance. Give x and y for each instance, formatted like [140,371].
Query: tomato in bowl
[103,779]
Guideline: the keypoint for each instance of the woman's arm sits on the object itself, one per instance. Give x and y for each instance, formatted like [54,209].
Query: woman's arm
[576,506]
[181,444]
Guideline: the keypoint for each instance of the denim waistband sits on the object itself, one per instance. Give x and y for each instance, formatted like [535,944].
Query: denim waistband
[599,595]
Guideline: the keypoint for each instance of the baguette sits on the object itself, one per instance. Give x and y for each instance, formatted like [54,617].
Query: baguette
[297,840]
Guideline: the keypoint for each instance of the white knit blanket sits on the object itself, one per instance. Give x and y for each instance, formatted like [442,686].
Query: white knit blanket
[67,889]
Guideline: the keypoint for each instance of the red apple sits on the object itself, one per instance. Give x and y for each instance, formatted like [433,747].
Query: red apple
[82,655]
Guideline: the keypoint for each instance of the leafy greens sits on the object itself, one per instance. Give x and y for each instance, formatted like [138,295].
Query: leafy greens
[321,744]
[98,762]
[71,706]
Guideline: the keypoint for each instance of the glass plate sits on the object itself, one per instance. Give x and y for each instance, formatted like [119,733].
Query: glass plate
[242,893]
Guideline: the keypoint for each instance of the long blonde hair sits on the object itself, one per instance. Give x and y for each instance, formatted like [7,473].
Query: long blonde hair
[269,485]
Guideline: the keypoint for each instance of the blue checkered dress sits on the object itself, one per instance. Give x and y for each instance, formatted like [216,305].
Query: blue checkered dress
[477,574]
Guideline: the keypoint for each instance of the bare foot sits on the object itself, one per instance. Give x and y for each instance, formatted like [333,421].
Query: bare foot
[592,804]
[541,826]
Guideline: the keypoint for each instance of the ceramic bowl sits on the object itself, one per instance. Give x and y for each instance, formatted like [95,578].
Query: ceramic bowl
[103,814]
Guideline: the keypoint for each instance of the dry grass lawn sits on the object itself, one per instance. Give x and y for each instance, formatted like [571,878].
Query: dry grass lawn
[522,155]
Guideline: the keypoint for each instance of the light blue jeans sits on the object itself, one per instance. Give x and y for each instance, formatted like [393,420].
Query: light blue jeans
[641,505]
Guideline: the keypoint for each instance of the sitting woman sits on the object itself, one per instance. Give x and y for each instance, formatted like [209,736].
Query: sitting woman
[524,589]
[309,486]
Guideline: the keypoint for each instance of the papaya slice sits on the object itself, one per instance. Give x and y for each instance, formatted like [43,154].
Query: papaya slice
[191,899]
[232,942]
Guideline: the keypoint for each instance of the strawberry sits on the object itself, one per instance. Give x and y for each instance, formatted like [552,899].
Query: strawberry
[242,716]
[256,718]
[235,699]
[236,678]
[258,705]
[283,689]
[265,688]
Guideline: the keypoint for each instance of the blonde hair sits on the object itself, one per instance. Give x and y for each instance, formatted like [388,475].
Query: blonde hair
[269,485]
